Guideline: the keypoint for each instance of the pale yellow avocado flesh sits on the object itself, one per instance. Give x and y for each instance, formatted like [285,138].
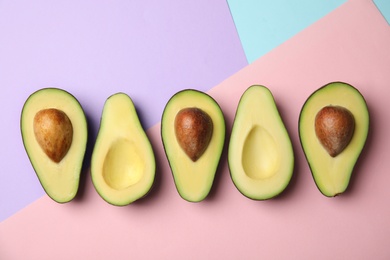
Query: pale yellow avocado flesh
[193,180]
[332,174]
[59,180]
[123,163]
[260,155]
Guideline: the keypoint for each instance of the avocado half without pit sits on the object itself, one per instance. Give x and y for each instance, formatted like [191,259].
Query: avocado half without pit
[260,154]
[54,132]
[333,128]
[193,134]
[123,164]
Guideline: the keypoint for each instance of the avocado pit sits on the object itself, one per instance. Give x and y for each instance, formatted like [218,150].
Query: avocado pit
[193,130]
[334,127]
[54,133]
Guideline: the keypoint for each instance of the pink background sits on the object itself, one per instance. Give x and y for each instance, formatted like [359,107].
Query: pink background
[351,44]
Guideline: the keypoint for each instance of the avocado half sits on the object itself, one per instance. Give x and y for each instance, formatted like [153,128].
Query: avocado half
[332,170]
[54,131]
[123,164]
[193,134]
[260,154]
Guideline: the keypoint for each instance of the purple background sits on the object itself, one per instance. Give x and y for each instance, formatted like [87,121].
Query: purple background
[93,49]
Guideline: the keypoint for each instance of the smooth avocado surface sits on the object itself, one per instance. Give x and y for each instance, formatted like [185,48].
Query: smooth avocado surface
[260,155]
[54,132]
[123,164]
[193,134]
[333,128]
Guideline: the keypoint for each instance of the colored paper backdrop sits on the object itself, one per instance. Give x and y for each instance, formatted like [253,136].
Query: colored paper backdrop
[93,49]
[264,25]
[88,52]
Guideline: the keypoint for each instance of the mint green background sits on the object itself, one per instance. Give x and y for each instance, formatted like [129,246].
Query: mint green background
[384,7]
[264,24]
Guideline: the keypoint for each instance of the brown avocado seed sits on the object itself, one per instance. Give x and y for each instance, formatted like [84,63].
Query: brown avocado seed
[193,129]
[334,127]
[54,132]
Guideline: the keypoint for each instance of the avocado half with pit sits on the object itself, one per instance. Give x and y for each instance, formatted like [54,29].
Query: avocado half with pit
[260,154]
[193,134]
[123,164]
[54,131]
[333,128]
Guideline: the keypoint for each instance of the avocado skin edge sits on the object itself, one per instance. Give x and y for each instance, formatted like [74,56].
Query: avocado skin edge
[293,161]
[84,150]
[300,139]
[223,146]
[152,149]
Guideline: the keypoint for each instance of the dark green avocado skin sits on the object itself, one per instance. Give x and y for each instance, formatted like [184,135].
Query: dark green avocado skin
[29,153]
[358,151]
[166,142]
[274,107]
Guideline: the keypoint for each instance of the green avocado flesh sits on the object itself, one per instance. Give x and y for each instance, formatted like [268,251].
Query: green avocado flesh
[346,127]
[123,164]
[260,155]
[54,131]
[193,134]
